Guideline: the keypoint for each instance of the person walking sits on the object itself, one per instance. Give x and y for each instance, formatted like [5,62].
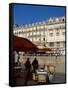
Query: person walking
[27,69]
[35,65]
[27,65]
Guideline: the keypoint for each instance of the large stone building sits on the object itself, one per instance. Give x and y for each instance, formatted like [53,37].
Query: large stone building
[50,33]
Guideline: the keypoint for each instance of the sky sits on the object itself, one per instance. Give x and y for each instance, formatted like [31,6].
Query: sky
[25,14]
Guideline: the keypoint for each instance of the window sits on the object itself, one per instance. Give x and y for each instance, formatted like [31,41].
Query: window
[51,34]
[50,29]
[51,44]
[57,29]
[27,29]
[34,39]
[32,24]
[43,39]
[45,27]
[38,33]
[24,30]
[57,34]
[41,33]
[27,34]
[63,44]
[42,27]
[31,33]
[63,33]
[38,27]
[30,29]
[58,44]
[62,27]
[34,33]
[34,28]
[39,22]
[37,38]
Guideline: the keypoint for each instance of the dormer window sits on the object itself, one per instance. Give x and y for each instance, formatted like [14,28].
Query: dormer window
[63,20]
[57,19]
[50,20]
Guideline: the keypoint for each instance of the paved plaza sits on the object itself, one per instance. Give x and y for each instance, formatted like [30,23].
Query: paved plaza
[57,79]
[58,62]
[21,77]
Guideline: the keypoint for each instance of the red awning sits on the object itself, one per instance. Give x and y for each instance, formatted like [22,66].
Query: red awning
[23,44]
[43,48]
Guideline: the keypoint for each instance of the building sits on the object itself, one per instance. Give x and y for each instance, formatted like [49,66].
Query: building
[50,33]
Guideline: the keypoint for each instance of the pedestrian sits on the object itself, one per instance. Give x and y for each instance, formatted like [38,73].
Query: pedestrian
[27,68]
[56,56]
[27,65]
[35,65]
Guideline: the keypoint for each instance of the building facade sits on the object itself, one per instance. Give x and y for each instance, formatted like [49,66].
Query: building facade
[50,33]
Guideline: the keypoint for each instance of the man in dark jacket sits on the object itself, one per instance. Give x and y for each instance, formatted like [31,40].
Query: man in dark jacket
[27,65]
[27,68]
[35,65]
